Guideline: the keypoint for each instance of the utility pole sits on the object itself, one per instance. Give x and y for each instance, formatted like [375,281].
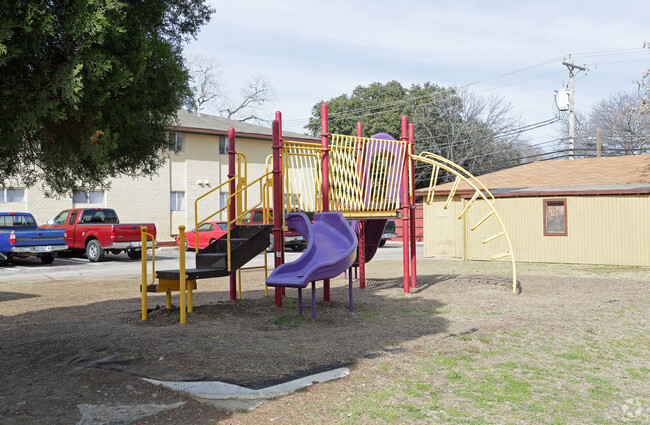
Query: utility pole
[572,118]
[599,143]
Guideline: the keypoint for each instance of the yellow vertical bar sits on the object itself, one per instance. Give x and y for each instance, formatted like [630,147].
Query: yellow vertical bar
[168,296]
[432,184]
[190,296]
[266,274]
[143,287]
[239,282]
[182,277]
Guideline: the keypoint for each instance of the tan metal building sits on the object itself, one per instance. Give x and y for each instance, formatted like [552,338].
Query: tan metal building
[583,211]
[167,198]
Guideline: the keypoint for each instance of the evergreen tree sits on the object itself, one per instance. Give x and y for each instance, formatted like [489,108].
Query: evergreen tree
[89,88]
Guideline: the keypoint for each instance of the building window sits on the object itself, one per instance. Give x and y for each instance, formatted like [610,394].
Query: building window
[555,219]
[177,201]
[12,195]
[223,145]
[223,199]
[88,197]
[177,141]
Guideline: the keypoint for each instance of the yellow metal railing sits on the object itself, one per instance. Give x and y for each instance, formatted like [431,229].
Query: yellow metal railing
[185,290]
[240,193]
[480,191]
[144,238]
[365,175]
[302,176]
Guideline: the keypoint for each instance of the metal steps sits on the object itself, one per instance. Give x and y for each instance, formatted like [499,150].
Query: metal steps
[246,241]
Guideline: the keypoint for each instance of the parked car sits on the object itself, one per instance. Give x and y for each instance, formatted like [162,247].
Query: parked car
[389,232]
[208,232]
[21,237]
[292,239]
[96,231]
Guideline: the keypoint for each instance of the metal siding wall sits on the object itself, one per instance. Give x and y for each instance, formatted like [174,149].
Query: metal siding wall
[475,248]
[443,232]
[601,230]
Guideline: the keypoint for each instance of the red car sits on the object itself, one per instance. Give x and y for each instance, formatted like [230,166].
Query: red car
[208,232]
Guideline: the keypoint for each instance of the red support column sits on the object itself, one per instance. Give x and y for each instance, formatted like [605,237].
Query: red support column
[414,275]
[405,208]
[278,116]
[278,206]
[324,134]
[362,227]
[233,202]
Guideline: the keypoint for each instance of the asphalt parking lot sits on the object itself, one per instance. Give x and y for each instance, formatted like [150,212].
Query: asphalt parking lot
[20,270]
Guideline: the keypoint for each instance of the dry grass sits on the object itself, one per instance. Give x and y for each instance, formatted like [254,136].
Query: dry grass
[460,349]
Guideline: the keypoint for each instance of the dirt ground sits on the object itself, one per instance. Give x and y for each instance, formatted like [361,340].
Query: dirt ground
[69,347]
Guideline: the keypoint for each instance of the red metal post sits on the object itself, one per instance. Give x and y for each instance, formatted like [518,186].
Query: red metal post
[405,208]
[362,225]
[278,206]
[278,117]
[233,202]
[414,275]
[324,134]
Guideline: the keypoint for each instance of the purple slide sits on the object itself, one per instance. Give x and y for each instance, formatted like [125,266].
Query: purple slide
[331,250]
[373,230]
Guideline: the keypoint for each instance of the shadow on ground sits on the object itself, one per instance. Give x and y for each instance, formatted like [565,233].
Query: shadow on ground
[61,355]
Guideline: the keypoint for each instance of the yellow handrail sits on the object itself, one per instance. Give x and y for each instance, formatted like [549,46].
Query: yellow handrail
[238,215]
[196,213]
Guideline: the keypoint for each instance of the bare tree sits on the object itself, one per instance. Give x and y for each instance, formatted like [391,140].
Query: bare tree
[624,126]
[209,92]
[257,92]
[478,133]
[206,82]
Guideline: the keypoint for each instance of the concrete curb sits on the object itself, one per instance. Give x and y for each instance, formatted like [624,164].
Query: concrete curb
[217,390]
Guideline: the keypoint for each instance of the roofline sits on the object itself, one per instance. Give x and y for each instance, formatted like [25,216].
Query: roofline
[198,130]
[466,194]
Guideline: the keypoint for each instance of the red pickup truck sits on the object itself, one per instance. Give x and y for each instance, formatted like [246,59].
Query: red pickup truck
[97,231]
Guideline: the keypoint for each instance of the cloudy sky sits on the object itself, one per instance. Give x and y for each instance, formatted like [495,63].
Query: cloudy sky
[315,50]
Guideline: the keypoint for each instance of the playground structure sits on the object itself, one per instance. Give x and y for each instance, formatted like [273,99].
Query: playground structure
[366,180]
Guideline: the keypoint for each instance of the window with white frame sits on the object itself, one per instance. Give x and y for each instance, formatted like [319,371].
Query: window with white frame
[223,145]
[177,141]
[88,197]
[11,194]
[177,201]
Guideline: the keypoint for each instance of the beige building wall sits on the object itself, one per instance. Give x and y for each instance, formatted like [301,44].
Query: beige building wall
[604,229]
[443,232]
[141,200]
[195,171]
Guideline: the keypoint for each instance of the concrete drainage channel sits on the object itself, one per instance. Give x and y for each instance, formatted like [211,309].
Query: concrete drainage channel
[216,393]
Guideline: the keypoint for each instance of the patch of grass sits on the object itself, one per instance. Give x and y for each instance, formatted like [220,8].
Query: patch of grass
[292,321]
[412,392]
[455,376]
[576,352]
[486,339]
[367,314]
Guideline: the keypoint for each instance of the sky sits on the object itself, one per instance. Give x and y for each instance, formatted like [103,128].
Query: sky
[312,51]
